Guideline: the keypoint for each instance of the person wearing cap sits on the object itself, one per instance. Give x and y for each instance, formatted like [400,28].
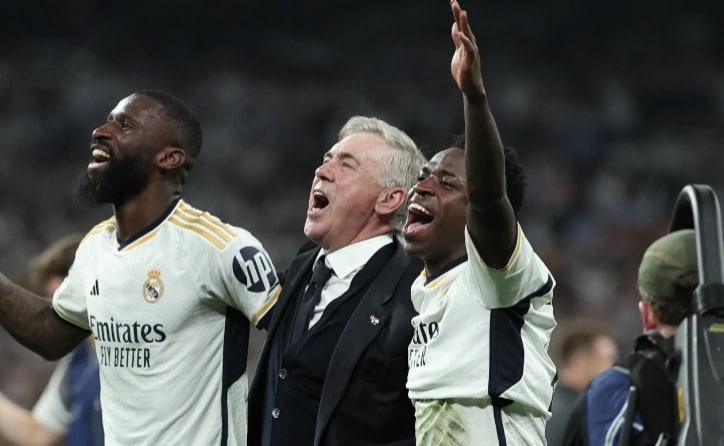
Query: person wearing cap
[667,278]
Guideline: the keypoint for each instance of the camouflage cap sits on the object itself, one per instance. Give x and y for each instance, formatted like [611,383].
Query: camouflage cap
[667,260]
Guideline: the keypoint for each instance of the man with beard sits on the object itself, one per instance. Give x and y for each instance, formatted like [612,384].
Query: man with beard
[166,291]
[479,368]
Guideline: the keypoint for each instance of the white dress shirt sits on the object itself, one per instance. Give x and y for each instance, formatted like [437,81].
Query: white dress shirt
[345,263]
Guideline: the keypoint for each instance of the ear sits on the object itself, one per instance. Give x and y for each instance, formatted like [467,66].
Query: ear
[170,158]
[648,317]
[390,200]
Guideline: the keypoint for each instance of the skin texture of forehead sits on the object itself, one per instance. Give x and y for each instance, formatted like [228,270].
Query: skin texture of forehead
[451,160]
[141,107]
[368,150]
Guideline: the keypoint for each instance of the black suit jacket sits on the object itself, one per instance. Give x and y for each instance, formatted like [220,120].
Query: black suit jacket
[364,399]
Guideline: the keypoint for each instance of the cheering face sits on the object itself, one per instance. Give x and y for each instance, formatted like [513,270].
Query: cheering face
[345,191]
[122,151]
[437,210]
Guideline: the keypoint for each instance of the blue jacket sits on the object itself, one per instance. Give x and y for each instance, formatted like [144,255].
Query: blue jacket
[606,406]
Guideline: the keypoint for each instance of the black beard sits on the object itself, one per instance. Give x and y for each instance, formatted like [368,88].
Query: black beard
[118,183]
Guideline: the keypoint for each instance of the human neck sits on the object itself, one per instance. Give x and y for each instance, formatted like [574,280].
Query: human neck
[666,331]
[137,213]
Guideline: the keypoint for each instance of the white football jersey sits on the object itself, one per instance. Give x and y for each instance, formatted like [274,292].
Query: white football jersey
[169,312]
[482,334]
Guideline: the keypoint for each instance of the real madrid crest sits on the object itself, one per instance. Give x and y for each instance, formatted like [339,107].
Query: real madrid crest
[153,286]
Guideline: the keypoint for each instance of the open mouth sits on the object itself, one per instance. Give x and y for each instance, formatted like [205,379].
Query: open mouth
[99,154]
[418,217]
[319,200]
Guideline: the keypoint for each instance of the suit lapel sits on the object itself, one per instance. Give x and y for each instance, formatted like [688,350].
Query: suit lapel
[366,322]
[297,270]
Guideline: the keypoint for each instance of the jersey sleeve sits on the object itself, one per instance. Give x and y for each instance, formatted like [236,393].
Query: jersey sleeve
[525,275]
[248,279]
[68,301]
[52,410]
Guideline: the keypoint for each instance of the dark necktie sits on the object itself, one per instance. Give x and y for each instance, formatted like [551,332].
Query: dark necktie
[310,299]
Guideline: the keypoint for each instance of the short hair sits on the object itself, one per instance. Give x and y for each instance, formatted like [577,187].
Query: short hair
[674,310]
[189,127]
[575,336]
[401,166]
[55,260]
[515,179]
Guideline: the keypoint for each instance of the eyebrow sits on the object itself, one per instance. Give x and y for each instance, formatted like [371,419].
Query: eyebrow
[343,155]
[439,172]
[447,173]
[118,115]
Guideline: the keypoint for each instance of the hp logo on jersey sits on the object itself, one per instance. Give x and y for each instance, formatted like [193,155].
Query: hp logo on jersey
[254,269]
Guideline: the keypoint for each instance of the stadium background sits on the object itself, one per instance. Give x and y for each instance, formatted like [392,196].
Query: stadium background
[613,106]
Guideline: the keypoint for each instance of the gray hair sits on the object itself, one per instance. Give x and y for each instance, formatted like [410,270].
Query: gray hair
[402,165]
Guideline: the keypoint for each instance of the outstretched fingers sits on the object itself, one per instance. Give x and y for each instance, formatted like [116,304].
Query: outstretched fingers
[455,34]
[464,24]
[465,63]
[461,32]
[455,6]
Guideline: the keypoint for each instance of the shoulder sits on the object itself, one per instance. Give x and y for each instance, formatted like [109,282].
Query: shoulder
[207,229]
[413,268]
[307,248]
[304,256]
[106,227]
[406,270]
[609,389]
[609,379]
[398,268]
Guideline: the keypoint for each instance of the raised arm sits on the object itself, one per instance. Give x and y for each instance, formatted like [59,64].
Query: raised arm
[31,320]
[491,220]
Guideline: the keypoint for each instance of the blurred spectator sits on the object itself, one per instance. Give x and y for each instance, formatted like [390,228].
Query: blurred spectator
[69,410]
[581,350]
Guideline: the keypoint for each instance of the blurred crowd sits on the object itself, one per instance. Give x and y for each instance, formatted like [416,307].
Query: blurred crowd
[613,108]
